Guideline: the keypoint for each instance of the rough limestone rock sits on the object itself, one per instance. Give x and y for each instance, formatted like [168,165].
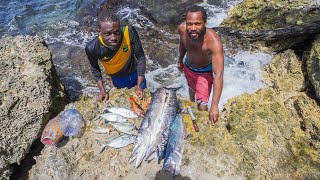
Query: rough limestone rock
[313,66]
[284,74]
[29,95]
[272,15]
[261,14]
[270,134]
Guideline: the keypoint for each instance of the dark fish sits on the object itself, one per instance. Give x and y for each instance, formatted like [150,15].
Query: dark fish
[174,149]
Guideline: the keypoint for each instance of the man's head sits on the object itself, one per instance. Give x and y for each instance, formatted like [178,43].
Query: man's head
[196,18]
[109,28]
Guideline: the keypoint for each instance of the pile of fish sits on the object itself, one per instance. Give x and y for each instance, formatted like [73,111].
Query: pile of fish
[118,118]
[162,133]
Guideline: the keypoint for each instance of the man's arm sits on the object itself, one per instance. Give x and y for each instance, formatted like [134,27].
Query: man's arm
[217,68]
[96,72]
[182,49]
[141,59]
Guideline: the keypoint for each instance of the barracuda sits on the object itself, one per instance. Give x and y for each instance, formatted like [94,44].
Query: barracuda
[153,131]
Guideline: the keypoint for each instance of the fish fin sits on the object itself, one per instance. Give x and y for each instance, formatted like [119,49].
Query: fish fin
[171,169]
[150,153]
[173,88]
[134,153]
[139,159]
[103,146]
[106,111]
[160,154]
[151,156]
[132,157]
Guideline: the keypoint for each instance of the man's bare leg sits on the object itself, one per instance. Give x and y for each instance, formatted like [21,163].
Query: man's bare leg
[192,95]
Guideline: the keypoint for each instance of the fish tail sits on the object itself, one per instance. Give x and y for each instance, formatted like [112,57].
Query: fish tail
[171,168]
[132,158]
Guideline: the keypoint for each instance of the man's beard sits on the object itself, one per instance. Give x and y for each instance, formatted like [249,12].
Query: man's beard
[200,33]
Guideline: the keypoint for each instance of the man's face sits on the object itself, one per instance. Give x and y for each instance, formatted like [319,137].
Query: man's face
[196,27]
[110,33]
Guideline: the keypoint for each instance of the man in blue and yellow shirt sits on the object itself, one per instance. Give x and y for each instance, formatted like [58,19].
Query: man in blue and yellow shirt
[120,52]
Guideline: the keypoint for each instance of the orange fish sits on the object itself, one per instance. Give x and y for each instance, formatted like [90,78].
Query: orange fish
[136,107]
[145,104]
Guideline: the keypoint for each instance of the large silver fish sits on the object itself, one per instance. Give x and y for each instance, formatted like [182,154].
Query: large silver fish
[163,106]
[170,111]
[174,149]
[118,142]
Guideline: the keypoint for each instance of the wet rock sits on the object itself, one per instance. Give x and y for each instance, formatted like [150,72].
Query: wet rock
[30,94]
[284,74]
[165,12]
[313,66]
[274,131]
[277,17]
[215,2]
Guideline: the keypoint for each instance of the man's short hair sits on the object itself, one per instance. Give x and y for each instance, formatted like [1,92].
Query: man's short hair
[107,15]
[196,8]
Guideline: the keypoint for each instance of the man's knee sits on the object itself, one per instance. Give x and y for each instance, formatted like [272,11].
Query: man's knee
[202,107]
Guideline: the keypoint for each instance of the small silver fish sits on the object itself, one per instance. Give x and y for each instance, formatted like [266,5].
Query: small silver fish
[126,128]
[100,130]
[113,117]
[123,112]
[118,142]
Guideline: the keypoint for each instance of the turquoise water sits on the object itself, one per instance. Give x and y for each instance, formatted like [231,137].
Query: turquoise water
[31,17]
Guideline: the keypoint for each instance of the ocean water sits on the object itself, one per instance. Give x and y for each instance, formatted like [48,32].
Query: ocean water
[55,21]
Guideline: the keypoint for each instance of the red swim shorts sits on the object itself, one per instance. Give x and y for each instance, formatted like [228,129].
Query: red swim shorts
[200,83]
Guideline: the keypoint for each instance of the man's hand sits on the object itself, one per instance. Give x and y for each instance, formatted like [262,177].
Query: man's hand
[214,114]
[180,66]
[102,95]
[140,92]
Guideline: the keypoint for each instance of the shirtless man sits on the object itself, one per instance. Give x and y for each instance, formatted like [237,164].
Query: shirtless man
[204,61]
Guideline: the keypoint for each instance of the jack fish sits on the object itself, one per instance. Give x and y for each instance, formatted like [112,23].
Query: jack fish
[118,142]
[122,111]
[113,117]
[100,130]
[126,128]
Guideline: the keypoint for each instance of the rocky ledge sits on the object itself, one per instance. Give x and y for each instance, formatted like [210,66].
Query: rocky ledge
[30,93]
[272,133]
